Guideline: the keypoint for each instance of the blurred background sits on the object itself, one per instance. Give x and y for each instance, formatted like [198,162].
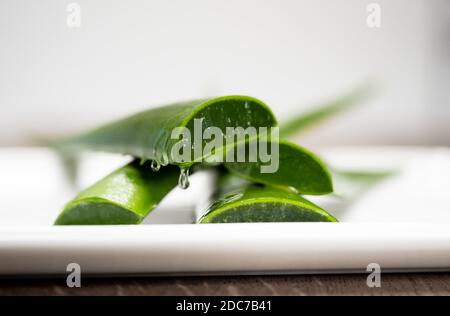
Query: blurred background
[130,55]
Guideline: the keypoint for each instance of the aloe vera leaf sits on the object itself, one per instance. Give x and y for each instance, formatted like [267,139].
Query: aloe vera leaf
[298,169]
[263,204]
[125,196]
[351,184]
[147,135]
[325,111]
[319,178]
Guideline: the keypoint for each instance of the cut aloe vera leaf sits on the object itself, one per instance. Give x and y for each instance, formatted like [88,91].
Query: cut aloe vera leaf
[147,135]
[298,170]
[322,112]
[263,204]
[125,196]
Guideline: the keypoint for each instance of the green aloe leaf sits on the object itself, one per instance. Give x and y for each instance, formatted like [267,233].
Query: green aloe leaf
[352,184]
[298,169]
[129,194]
[263,204]
[147,135]
[125,196]
[322,112]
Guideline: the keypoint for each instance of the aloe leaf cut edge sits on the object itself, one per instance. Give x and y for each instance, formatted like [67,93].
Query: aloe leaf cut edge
[263,204]
[126,196]
[298,169]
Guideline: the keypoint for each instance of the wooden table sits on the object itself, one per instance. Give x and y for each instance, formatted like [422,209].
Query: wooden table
[351,284]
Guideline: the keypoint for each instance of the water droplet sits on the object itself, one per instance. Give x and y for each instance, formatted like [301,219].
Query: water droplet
[155,165]
[164,159]
[159,143]
[246,105]
[232,197]
[293,190]
[183,180]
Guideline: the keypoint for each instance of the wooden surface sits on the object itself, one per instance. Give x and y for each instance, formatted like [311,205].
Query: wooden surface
[399,284]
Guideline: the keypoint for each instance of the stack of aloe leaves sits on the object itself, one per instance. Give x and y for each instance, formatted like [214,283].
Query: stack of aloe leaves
[242,194]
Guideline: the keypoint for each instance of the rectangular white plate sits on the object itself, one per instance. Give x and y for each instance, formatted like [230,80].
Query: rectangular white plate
[403,223]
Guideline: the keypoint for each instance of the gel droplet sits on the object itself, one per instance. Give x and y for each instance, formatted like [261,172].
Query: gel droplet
[183,180]
[155,165]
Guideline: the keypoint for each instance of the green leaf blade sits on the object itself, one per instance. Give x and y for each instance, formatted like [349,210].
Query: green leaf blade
[322,112]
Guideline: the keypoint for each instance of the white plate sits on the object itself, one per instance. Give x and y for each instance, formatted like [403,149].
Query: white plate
[403,223]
